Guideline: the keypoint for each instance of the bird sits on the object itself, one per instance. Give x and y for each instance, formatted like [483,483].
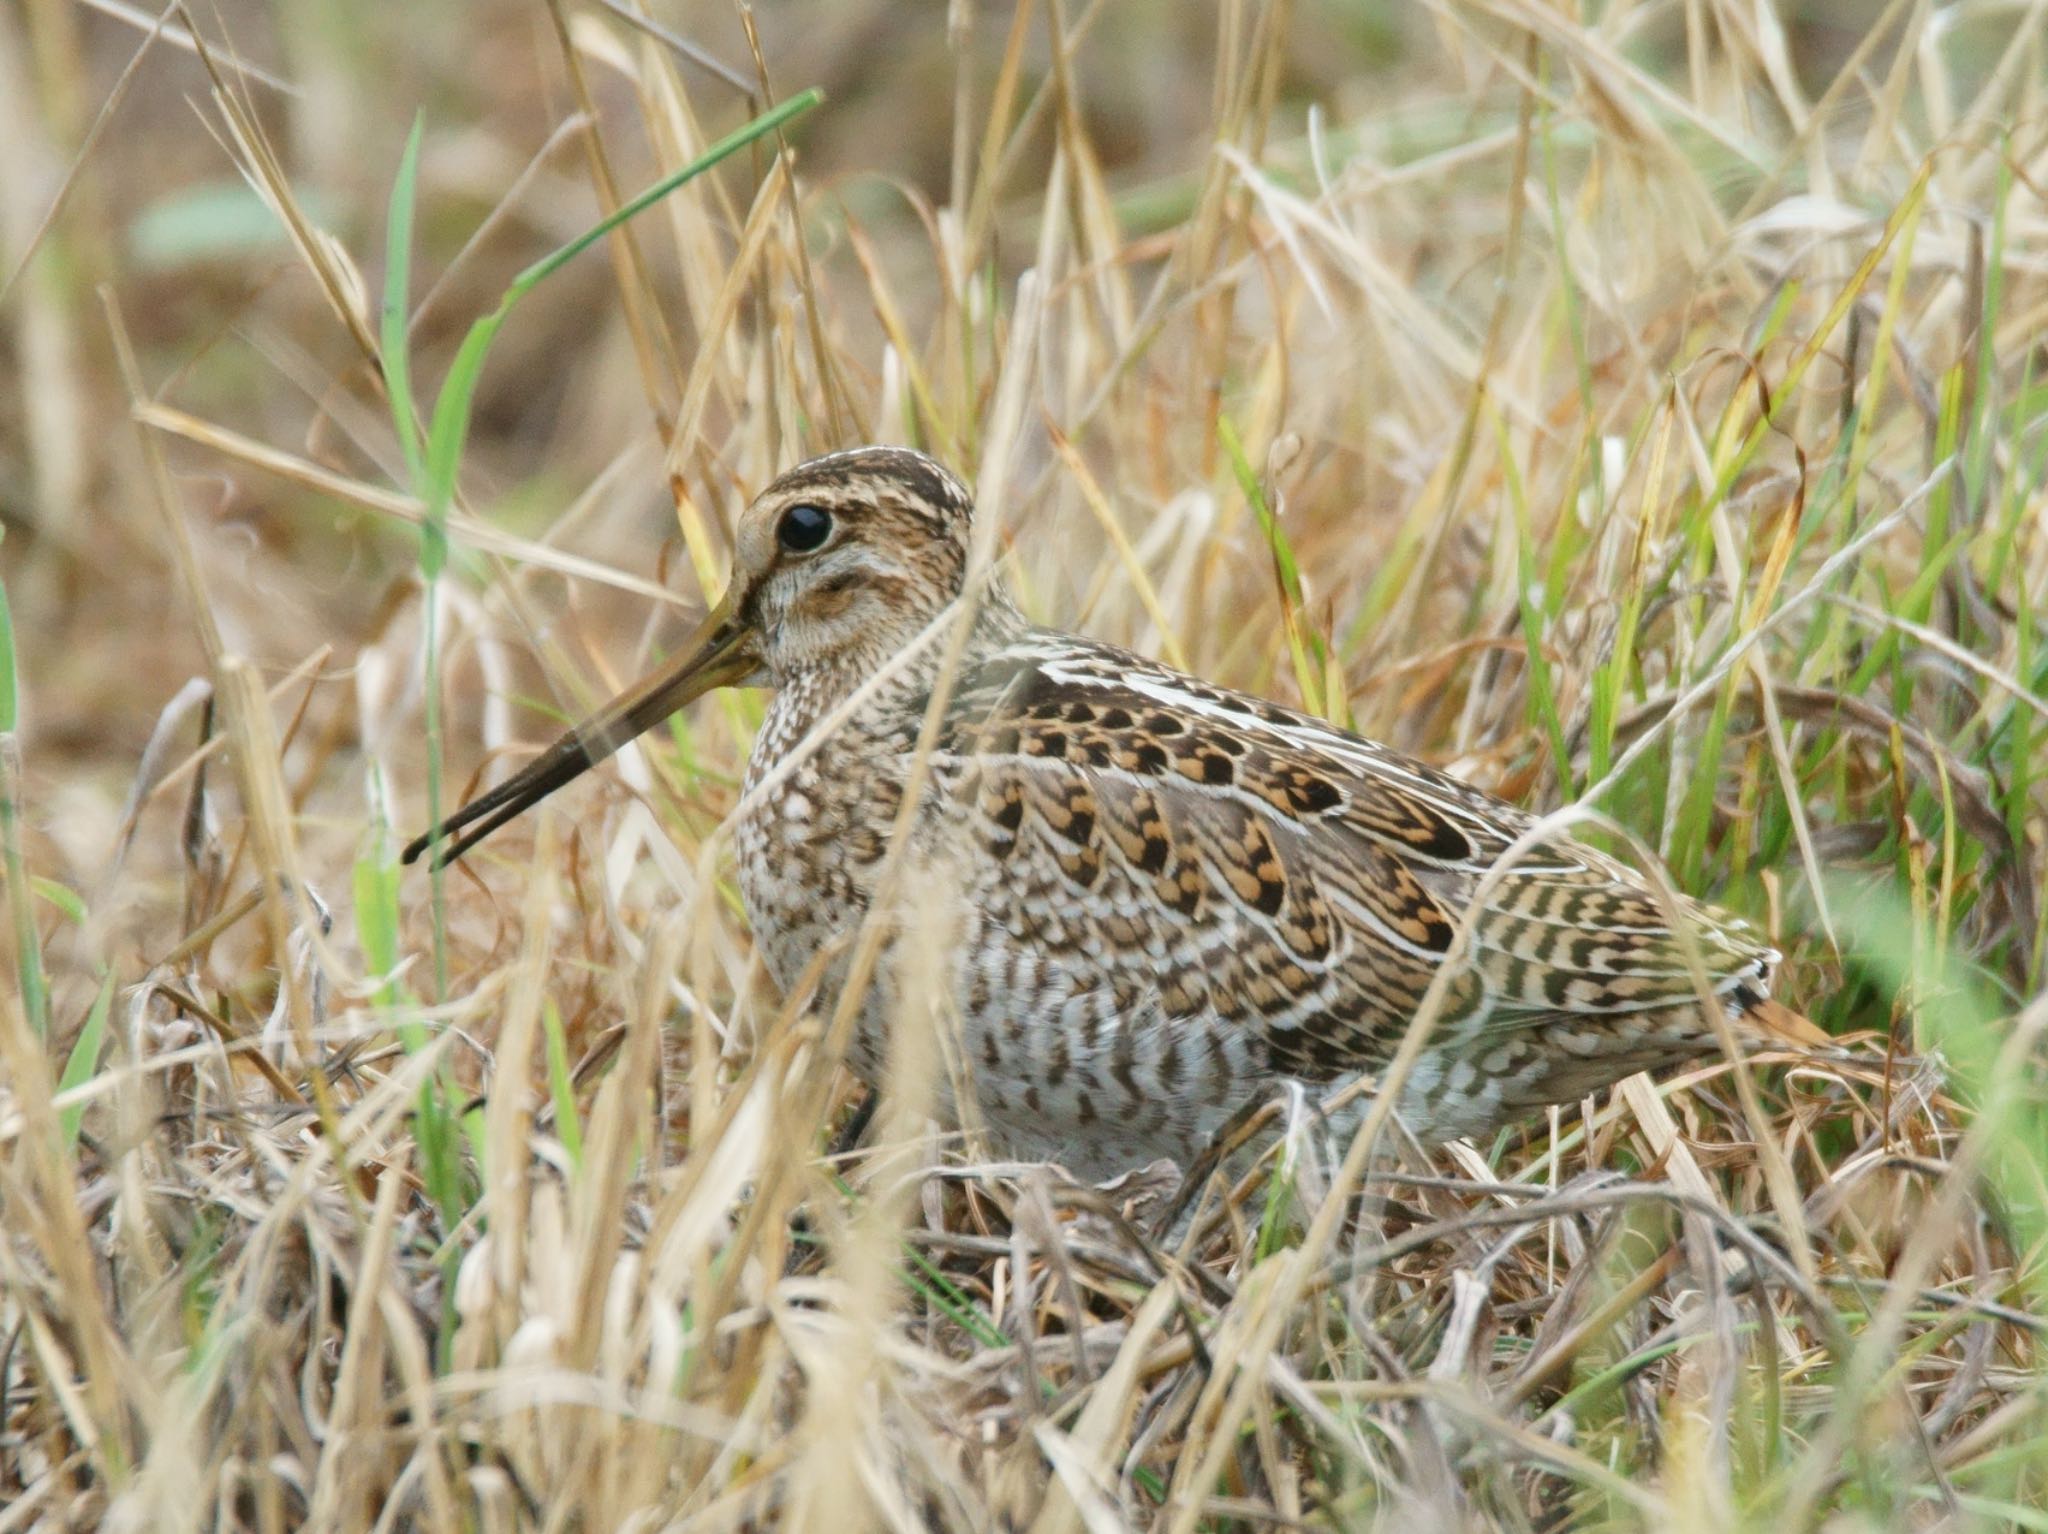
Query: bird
[1164,900]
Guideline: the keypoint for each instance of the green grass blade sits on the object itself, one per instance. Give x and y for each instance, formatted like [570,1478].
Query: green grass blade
[1304,646]
[562,1085]
[84,1059]
[28,950]
[450,426]
[62,896]
[448,432]
[376,883]
[396,313]
[1535,619]
[738,139]
[928,1280]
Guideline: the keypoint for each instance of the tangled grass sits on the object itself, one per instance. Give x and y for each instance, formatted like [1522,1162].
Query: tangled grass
[1645,410]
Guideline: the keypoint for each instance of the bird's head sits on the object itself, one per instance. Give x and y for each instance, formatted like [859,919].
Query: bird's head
[837,565]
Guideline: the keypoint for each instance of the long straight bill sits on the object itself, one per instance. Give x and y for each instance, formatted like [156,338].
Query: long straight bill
[717,655]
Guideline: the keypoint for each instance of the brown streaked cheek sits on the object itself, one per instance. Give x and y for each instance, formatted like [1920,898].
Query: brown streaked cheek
[832,598]
[826,603]
[891,591]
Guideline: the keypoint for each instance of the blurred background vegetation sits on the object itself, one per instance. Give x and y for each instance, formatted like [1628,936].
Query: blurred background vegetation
[226,320]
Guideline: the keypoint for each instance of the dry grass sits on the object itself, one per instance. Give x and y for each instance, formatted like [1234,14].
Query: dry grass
[1648,411]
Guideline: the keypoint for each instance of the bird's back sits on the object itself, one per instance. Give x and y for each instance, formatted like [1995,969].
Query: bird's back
[1239,894]
[1173,898]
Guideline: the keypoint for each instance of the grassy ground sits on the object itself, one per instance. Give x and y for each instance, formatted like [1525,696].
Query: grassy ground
[1646,408]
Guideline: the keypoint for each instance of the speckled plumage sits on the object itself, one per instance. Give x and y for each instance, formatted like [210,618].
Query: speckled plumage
[1162,899]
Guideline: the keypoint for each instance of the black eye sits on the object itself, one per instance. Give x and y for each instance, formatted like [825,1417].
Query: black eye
[803,528]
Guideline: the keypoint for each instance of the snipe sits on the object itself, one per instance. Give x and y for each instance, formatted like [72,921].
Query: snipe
[1169,898]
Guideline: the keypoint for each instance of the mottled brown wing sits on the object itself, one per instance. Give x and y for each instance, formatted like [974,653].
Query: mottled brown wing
[1258,866]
